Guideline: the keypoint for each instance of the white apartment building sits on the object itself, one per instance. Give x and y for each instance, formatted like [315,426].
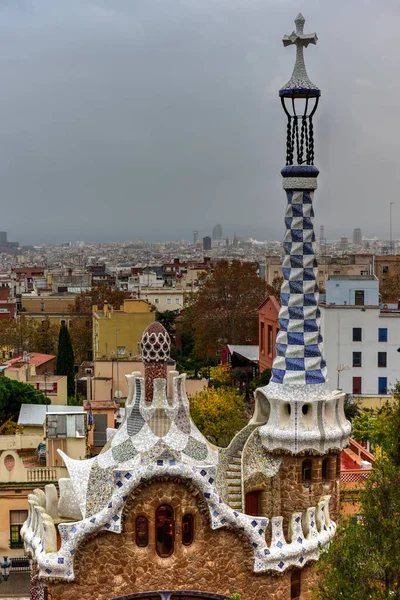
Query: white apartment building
[361,340]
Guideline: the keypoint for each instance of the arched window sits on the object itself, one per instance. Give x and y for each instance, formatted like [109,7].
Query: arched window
[187,529]
[295,584]
[142,532]
[324,471]
[165,530]
[306,470]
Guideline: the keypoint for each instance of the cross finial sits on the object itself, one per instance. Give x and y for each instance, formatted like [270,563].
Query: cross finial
[299,82]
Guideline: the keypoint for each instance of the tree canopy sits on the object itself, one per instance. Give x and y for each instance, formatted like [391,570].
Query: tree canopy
[219,413]
[224,309]
[13,394]
[363,561]
[27,334]
[65,359]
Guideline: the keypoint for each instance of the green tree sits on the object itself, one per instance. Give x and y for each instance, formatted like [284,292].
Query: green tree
[224,309]
[363,561]
[13,394]
[65,359]
[168,319]
[219,413]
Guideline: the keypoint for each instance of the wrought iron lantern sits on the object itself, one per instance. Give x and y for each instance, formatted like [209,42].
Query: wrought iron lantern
[299,99]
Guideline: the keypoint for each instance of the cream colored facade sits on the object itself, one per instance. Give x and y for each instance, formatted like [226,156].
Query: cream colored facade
[118,332]
[164,298]
[108,377]
[55,308]
[54,386]
[352,264]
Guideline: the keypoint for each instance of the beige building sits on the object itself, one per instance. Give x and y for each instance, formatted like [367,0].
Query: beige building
[163,298]
[351,264]
[117,333]
[55,308]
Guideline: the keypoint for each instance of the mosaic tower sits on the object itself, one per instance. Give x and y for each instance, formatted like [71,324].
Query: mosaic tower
[163,513]
[304,414]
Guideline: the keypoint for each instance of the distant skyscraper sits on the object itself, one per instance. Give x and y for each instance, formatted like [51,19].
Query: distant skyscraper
[357,237]
[322,241]
[195,236]
[217,232]
[344,243]
[3,238]
[207,243]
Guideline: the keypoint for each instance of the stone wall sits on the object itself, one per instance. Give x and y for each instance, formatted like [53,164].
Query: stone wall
[285,493]
[112,565]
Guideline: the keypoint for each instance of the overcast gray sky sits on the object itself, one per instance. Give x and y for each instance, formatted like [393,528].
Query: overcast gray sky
[150,118]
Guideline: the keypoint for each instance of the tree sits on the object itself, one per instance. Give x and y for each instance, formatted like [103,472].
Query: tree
[26,334]
[13,394]
[363,561]
[80,331]
[65,359]
[389,285]
[224,309]
[274,289]
[219,413]
[168,319]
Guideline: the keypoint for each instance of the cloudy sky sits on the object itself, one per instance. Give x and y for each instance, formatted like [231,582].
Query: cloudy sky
[150,118]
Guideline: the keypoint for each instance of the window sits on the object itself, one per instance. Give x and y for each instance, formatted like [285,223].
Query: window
[142,532]
[269,341]
[121,350]
[359,297]
[165,531]
[187,530]
[357,334]
[63,322]
[356,385]
[252,503]
[306,470]
[17,518]
[169,300]
[382,359]
[262,336]
[357,359]
[295,584]
[382,334]
[176,300]
[385,269]
[382,385]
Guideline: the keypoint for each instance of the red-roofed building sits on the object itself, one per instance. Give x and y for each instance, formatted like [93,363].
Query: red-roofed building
[268,327]
[30,364]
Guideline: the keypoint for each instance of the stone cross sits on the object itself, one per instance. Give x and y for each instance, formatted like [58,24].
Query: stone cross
[299,79]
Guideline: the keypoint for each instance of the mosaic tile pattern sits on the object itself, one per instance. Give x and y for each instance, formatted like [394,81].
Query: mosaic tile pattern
[306,539]
[299,349]
[257,460]
[100,488]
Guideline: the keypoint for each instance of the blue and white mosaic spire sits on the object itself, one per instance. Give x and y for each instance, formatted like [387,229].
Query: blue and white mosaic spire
[299,345]
[299,360]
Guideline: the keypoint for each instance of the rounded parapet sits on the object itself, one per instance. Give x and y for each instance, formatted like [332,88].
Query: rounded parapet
[302,422]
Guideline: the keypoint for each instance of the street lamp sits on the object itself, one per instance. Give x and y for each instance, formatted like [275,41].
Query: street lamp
[5,569]
[391,237]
